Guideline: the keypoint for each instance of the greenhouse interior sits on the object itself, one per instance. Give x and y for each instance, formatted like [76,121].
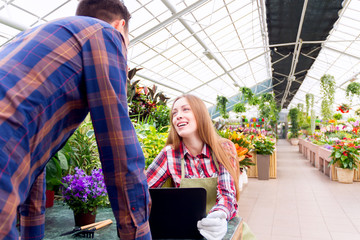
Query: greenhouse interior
[280,81]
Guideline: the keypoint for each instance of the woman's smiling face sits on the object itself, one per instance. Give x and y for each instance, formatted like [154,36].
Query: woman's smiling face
[183,119]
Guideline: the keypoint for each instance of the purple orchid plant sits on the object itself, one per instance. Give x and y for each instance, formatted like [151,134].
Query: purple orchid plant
[84,193]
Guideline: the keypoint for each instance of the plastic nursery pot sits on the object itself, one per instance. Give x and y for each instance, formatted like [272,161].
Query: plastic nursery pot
[82,219]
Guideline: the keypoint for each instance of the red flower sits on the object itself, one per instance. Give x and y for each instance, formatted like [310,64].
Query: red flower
[345,154]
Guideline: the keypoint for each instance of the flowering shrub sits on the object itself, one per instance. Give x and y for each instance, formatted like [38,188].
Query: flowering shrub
[264,145]
[84,193]
[346,154]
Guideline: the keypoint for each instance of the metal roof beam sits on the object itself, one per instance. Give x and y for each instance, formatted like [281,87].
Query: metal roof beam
[13,24]
[344,53]
[229,71]
[166,22]
[159,83]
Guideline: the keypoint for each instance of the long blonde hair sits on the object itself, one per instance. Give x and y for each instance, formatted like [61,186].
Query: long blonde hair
[208,135]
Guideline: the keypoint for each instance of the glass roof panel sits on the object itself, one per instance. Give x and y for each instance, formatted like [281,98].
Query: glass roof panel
[231,31]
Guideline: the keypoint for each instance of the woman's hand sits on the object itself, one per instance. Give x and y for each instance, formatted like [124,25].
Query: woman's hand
[214,226]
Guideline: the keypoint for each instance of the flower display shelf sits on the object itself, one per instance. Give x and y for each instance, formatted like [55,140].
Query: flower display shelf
[320,157]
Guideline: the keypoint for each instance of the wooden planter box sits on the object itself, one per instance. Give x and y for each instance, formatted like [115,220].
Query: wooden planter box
[314,154]
[324,160]
[252,171]
[305,149]
[301,145]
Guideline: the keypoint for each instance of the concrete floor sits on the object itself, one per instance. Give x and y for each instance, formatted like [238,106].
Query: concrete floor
[301,204]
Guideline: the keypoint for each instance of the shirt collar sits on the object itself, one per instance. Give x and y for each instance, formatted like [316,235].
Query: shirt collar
[205,152]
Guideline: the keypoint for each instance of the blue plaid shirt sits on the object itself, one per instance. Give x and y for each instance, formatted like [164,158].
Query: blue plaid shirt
[51,76]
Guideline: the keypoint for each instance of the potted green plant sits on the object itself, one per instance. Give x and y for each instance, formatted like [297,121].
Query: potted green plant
[239,108]
[264,147]
[81,149]
[337,116]
[84,193]
[353,89]
[294,129]
[53,176]
[357,112]
[346,156]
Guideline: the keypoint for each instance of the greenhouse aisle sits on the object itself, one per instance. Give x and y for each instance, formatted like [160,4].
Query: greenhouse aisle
[302,203]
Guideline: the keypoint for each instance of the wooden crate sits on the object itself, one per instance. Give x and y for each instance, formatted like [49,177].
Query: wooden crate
[253,172]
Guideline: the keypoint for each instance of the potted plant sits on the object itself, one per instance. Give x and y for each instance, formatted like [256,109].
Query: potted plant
[84,194]
[357,112]
[294,129]
[346,156]
[264,147]
[344,108]
[337,116]
[353,89]
[53,176]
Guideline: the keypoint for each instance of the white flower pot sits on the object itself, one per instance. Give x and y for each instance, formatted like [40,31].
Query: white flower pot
[245,177]
[241,182]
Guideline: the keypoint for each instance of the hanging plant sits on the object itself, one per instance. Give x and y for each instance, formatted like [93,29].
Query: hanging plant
[327,89]
[239,108]
[221,106]
[246,93]
[357,112]
[344,108]
[309,102]
[353,89]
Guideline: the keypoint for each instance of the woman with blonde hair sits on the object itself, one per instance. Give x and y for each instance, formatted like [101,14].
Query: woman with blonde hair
[195,155]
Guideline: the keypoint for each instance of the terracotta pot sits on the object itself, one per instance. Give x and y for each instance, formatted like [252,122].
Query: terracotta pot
[49,198]
[345,175]
[82,219]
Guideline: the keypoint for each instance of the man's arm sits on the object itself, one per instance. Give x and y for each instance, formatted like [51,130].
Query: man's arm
[105,73]
[32,212]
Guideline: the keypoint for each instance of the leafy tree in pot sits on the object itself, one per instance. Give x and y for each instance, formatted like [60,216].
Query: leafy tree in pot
[293,114]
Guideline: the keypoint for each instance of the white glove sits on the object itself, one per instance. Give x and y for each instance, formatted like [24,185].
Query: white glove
[214,226]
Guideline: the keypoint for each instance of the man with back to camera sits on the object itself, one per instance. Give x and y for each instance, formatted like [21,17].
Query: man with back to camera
[51,76]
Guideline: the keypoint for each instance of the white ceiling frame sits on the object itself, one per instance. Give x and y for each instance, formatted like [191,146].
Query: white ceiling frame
[166,22]
[242,64]
[200,41]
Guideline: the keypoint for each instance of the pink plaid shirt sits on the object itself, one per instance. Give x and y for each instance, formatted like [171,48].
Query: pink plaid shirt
[168,164]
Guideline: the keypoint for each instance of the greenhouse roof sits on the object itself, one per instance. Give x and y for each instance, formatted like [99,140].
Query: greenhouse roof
[213,47]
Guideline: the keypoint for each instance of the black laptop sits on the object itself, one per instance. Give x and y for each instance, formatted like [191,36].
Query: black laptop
[176,211]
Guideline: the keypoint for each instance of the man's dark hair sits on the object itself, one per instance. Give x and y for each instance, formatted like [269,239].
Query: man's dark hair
[106,10]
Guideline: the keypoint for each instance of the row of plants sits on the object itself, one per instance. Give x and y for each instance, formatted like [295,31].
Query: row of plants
[247,141]
[264,103]
[343,140]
